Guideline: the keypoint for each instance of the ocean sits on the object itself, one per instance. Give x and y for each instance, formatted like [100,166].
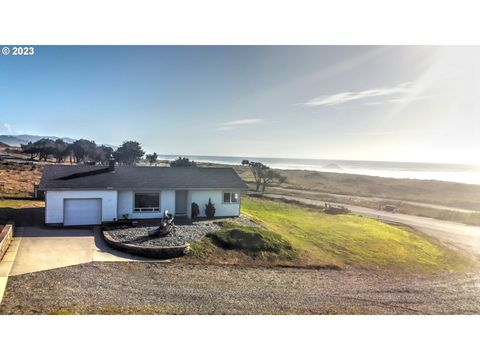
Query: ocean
[467,174]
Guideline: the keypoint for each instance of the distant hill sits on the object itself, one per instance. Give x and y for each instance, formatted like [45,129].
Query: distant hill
[17,140]
[332,166]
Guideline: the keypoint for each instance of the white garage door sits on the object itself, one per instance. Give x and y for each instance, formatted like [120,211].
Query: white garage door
[82,211]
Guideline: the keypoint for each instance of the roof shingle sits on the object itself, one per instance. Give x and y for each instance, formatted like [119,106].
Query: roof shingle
[138,177]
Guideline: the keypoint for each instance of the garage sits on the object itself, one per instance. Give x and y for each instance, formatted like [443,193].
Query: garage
[82,211]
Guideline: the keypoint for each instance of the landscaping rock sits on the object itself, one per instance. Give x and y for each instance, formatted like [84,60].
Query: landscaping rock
[183,234]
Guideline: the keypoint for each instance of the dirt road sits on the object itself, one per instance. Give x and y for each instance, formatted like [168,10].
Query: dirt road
[346,198]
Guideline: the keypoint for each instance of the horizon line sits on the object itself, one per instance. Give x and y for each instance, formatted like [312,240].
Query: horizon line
[323,159]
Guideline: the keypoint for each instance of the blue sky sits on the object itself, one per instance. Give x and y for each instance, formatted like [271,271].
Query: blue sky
[334,102]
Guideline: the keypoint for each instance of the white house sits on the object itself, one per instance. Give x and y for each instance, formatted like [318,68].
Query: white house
[87,194]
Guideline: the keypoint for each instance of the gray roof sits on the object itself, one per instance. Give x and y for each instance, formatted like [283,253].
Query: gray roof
[138,177]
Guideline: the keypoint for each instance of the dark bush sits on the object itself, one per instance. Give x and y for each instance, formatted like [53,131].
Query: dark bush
[210,209]
[252,240]
[335,210]
[195,210]
[183,162]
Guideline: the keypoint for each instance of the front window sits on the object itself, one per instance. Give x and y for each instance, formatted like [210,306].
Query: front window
[230,197]
[145,202]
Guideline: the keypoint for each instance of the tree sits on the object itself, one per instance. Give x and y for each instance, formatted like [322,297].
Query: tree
[30,149]
[129,153]
[81,150]
[42,148]
[102,154]
[257,168]
[263,175]
[195,210]
[269,176]
[84,149]
[210,209]
[47,148]
[60,151]
[69,153]
[152,158]
[182,162]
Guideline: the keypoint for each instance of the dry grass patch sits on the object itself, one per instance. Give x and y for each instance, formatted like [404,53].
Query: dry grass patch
[18,179]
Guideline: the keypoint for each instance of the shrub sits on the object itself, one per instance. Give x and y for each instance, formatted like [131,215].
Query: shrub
[183,162]
[210,209]
[335,210]
[195,210]
[252,240]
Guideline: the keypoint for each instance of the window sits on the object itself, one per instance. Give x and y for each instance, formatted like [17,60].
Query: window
[230,197]
[145,202]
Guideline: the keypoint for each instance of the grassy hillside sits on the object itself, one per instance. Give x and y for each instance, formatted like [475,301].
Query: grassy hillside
[350,239]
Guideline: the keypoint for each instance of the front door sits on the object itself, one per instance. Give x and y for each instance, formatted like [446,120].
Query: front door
[180,202]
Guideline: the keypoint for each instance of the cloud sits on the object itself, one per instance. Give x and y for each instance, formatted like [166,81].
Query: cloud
[344,97]
[229,125]
[399,100]
[7,129]
[242,122]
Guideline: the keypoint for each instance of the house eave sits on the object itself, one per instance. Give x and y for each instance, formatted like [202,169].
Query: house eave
[241,188]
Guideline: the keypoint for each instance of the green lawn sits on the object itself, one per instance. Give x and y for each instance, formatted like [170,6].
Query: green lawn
[351,239]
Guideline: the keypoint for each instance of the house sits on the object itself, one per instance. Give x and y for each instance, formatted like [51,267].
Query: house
[89,194]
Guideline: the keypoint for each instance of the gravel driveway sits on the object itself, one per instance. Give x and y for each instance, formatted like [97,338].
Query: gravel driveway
[205,289]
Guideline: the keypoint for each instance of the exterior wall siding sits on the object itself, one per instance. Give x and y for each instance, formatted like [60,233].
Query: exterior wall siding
[189,204]
[55,201]
[115,204]
[221,209]
[125,205]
